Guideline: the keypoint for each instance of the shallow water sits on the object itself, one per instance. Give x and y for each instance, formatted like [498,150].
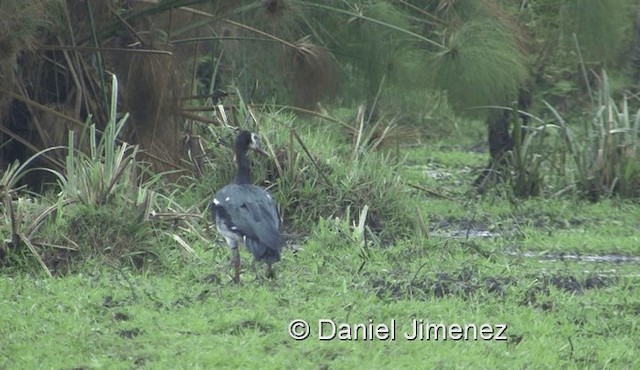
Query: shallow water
[467,234]
[474,234]
[570,257]
[611,258]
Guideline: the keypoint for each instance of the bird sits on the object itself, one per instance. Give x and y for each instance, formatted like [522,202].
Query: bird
[246,213]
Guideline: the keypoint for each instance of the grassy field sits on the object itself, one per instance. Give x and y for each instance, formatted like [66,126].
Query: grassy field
[538,283]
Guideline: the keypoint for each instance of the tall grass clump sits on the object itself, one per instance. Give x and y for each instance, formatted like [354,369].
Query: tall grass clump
[314,175]
[109,170]
[103,209]
[115,199]
[527,158]
[307,197]
[606,154]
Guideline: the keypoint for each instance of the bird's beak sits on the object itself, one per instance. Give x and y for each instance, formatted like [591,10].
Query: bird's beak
[257,146]
[261,151]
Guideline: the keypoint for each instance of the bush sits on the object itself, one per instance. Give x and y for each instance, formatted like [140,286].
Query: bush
[606,155]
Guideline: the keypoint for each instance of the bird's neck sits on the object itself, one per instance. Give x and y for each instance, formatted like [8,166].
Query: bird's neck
[243,176]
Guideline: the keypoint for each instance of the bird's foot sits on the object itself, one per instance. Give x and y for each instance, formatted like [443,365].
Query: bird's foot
[270,273]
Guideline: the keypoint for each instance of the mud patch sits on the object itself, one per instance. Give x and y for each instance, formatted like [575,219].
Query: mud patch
[466,283]
[130,333]
[250,325]
[484,227]
[121,316]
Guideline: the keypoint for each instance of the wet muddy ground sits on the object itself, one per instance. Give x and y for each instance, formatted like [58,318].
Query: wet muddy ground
[580,273]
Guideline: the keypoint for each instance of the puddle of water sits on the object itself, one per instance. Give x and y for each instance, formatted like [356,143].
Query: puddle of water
[598,273]
[437,175]
[546,257]
[434,173]
[474,234]
[467,233]
[617,259]
[611,258]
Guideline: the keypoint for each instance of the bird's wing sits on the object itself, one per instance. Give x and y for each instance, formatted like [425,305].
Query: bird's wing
[249,211]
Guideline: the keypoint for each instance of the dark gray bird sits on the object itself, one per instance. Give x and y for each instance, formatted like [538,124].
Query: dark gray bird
[247,213]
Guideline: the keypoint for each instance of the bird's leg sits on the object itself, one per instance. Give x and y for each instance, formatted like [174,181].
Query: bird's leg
[235,262]
[256,271]
[270,273]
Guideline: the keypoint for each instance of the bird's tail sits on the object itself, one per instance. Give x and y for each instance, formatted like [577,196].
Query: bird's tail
[268,251]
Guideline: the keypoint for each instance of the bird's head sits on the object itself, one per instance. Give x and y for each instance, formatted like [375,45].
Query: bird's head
[248,140]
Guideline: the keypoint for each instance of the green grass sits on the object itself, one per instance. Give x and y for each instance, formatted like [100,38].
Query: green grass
[173,319]
[167,314]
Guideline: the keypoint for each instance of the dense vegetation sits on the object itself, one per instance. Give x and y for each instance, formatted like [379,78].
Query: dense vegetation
[456,162]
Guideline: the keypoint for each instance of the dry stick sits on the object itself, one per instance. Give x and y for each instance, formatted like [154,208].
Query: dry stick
[33,250]
[311,157]
[375,100]
[269,146]
[194,67]
[206,96]
[292,156]
[115,179]
[92,89]
[430,192]
[80,83]
[74,244]
[170,30]
[195,117]
[261,33]
[95,49]
[57,246]
[319,115]
[360,122]
[43,133]
[12,216]
[35,225]
[98,55]
[177,216]
[275,160]
[156,120]
[76,81]
[126,25]
[423,226]
[199,109]
[30,146]
[74,76]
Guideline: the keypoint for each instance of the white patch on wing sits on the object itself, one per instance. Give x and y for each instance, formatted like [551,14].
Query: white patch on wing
[234,228]
[227,199]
